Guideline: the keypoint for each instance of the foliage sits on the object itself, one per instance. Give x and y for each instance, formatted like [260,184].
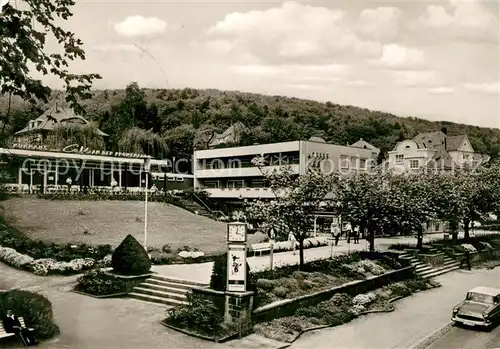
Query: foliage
[85,136]
[12,238]
[465,194]
[199,315]
[218,279]
[130,258]
[35,308]
[267,119]
[99,283]
[364,201]
[295,199]
[5,178]
[23,36]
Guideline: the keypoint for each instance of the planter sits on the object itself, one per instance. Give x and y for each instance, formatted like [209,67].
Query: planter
[221,339]
[131,281]
[434,260]
[114,295]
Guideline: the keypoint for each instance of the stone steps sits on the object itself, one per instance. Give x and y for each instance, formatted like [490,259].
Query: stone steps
[427,271]
[165,290]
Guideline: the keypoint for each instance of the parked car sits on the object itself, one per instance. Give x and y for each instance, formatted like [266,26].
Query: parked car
[481,308]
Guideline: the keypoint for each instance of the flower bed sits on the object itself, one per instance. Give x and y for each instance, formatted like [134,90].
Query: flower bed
[48,266]
[20,252]
[10,237]
[98,283]
[340,309]
[199,317]
[288,283]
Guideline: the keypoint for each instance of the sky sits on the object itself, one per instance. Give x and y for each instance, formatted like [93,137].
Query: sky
[435,60]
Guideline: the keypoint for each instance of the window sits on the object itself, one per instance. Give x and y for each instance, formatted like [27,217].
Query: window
[414,164]
[344,161]
[362,164]
[354,162]
[400,159]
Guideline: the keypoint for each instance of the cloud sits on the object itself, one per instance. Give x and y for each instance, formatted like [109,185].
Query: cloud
[488,88]
[441,90]
[359,83]
[380,23]
[400,57]
[108,47]
[415,78]
[219,46]
[136,26]
[330,72]
[467,20]
[294,32]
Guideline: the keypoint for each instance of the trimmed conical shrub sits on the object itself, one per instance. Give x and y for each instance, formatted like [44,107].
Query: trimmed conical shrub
[130,258]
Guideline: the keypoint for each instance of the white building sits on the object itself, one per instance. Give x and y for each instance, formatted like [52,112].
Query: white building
[435,149]
[228,173]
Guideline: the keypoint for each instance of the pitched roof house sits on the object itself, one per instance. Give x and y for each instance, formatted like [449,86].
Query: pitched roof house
[435,149]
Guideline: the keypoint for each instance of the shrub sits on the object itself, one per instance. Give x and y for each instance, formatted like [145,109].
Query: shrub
[399,289]
[218,279]
[266,284]
[98,283]
[416,284]
[34,308]
[200,315]
[280,291]
[130,258]
[341,299]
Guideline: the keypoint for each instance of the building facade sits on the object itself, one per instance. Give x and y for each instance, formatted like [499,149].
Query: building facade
[433,149]
[39,162]
[229,174]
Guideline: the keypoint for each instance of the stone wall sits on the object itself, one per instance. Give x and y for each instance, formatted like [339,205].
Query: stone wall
[287,307]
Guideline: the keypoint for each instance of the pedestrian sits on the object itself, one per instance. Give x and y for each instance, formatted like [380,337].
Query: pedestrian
[348,232]
[69,181]
[335,230]
[466,259]
[356,235]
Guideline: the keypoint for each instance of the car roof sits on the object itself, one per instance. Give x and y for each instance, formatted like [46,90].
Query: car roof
[490,291]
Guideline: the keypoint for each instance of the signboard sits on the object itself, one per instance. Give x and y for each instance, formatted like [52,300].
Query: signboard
[236,268]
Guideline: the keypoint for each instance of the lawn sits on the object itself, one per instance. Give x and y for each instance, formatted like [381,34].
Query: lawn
[108,222]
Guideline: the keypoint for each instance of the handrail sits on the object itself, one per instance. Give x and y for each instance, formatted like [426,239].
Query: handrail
[208,208]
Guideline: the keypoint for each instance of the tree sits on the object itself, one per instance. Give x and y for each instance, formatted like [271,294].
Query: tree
[464,195]
[140,141]
[23,34]
[409,205]
[363,201]
[295,199]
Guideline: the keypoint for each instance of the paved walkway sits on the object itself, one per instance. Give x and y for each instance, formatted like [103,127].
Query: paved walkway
[201,272]
[87,322]
[414,318]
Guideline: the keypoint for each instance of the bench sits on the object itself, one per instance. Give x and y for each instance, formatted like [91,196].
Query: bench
[259,248]
[4,334]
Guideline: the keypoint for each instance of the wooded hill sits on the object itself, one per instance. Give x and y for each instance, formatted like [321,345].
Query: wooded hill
[168,122]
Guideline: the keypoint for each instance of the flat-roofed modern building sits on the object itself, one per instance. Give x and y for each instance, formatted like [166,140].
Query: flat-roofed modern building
[229,174]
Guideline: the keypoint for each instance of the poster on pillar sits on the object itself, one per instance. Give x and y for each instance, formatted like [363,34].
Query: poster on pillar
[236,268]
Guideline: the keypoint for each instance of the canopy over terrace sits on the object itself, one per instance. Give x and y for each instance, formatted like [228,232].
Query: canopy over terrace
[45,168]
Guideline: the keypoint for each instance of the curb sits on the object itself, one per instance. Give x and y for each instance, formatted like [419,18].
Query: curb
[424,343]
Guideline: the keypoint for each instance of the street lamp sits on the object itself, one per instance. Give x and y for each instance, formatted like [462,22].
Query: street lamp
[147,166]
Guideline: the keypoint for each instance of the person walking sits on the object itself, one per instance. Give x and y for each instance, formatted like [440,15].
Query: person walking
[356,235]
[335,230]
[466,259]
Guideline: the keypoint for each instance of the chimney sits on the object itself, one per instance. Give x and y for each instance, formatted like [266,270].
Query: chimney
[445,131]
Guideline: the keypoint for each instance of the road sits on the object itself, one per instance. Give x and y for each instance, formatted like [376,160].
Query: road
[468,338]
[414,319]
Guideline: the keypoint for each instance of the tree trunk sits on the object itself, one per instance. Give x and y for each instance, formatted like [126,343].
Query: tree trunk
[420,239]
[371,239]
[301,254]
[466,229]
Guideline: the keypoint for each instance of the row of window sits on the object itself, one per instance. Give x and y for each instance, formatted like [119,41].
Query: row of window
[414,164]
